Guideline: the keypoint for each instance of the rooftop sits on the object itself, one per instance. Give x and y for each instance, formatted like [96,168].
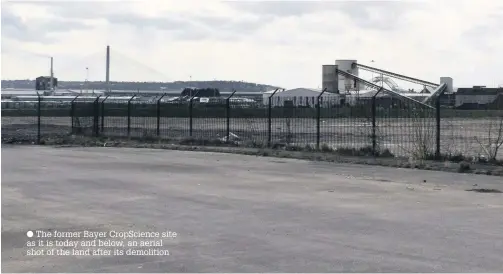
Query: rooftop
[479,90]
[294,90]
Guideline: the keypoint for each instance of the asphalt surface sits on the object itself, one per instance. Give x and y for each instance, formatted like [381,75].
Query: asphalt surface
[236,213]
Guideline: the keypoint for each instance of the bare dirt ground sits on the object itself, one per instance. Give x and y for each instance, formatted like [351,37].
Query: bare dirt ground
[401,136]
[237,213]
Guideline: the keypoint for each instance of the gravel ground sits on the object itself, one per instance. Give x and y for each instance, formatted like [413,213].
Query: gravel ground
[457,135]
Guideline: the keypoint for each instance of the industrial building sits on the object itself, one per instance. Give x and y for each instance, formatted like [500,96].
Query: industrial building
[44,83]
[301,97]
[344,78]
[479,97]
[200,92]
[342,84]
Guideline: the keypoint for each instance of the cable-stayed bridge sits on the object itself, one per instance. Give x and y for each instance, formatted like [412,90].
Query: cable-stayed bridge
[86,67]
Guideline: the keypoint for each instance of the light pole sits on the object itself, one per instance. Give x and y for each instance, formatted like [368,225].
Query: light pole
[87,80]
[382,75]
[372,71]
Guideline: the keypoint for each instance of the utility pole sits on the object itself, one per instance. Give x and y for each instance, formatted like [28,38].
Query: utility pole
[372,71]
[87,80]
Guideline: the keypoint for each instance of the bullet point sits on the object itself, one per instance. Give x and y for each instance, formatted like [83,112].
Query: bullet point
[29,234]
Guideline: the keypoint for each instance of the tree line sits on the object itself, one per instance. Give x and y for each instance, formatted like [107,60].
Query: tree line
[222,86]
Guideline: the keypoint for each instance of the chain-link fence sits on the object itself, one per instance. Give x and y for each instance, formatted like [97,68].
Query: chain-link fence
[376,124]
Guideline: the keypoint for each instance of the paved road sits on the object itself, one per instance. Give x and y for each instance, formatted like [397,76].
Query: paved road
[237,213]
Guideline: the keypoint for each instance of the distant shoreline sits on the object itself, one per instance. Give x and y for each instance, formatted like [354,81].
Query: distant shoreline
[158,87]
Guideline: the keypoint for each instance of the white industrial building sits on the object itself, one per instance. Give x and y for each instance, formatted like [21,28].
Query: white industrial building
[335,79]
[301,97]
[336,83]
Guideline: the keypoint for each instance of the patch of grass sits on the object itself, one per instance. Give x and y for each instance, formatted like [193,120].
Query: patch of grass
[283,154]
[307,152]
[149,136]
[464,167]
[455,158]
[326,148]
[254,144]
[363,151]
[386,153]
[495,162]
[497,172]
[309,148]
[205,142]
[262,152]
[419,166]
[278,145]
[290,147]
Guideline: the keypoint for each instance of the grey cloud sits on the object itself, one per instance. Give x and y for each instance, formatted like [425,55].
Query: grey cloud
[39,31]
[60,25]
[497,16]
[191,27]
[361,12]
[14,27]
[194,35]
[232,25]
[279,8]
[77,9]
[166,23]
[178,28]
[479,37]
[188,27]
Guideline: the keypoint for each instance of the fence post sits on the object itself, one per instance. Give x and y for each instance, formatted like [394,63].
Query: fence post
[103,113]
[39,113]
[190,117]
[96,116]
[72,113]
[129,115]
[158,129]
[228,115]
[269,119]
[437,108]
[190,112]
[318,118]
[374,124]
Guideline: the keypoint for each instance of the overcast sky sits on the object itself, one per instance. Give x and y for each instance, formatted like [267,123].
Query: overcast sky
[281,43]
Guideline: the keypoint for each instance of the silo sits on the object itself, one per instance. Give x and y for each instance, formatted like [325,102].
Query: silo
[350,67]
[329,78]
[448,81]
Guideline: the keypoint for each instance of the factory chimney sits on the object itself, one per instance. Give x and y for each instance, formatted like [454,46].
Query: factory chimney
[51,83]
[107,78]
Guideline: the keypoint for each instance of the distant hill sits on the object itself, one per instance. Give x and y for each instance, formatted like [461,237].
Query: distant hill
[223,86]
